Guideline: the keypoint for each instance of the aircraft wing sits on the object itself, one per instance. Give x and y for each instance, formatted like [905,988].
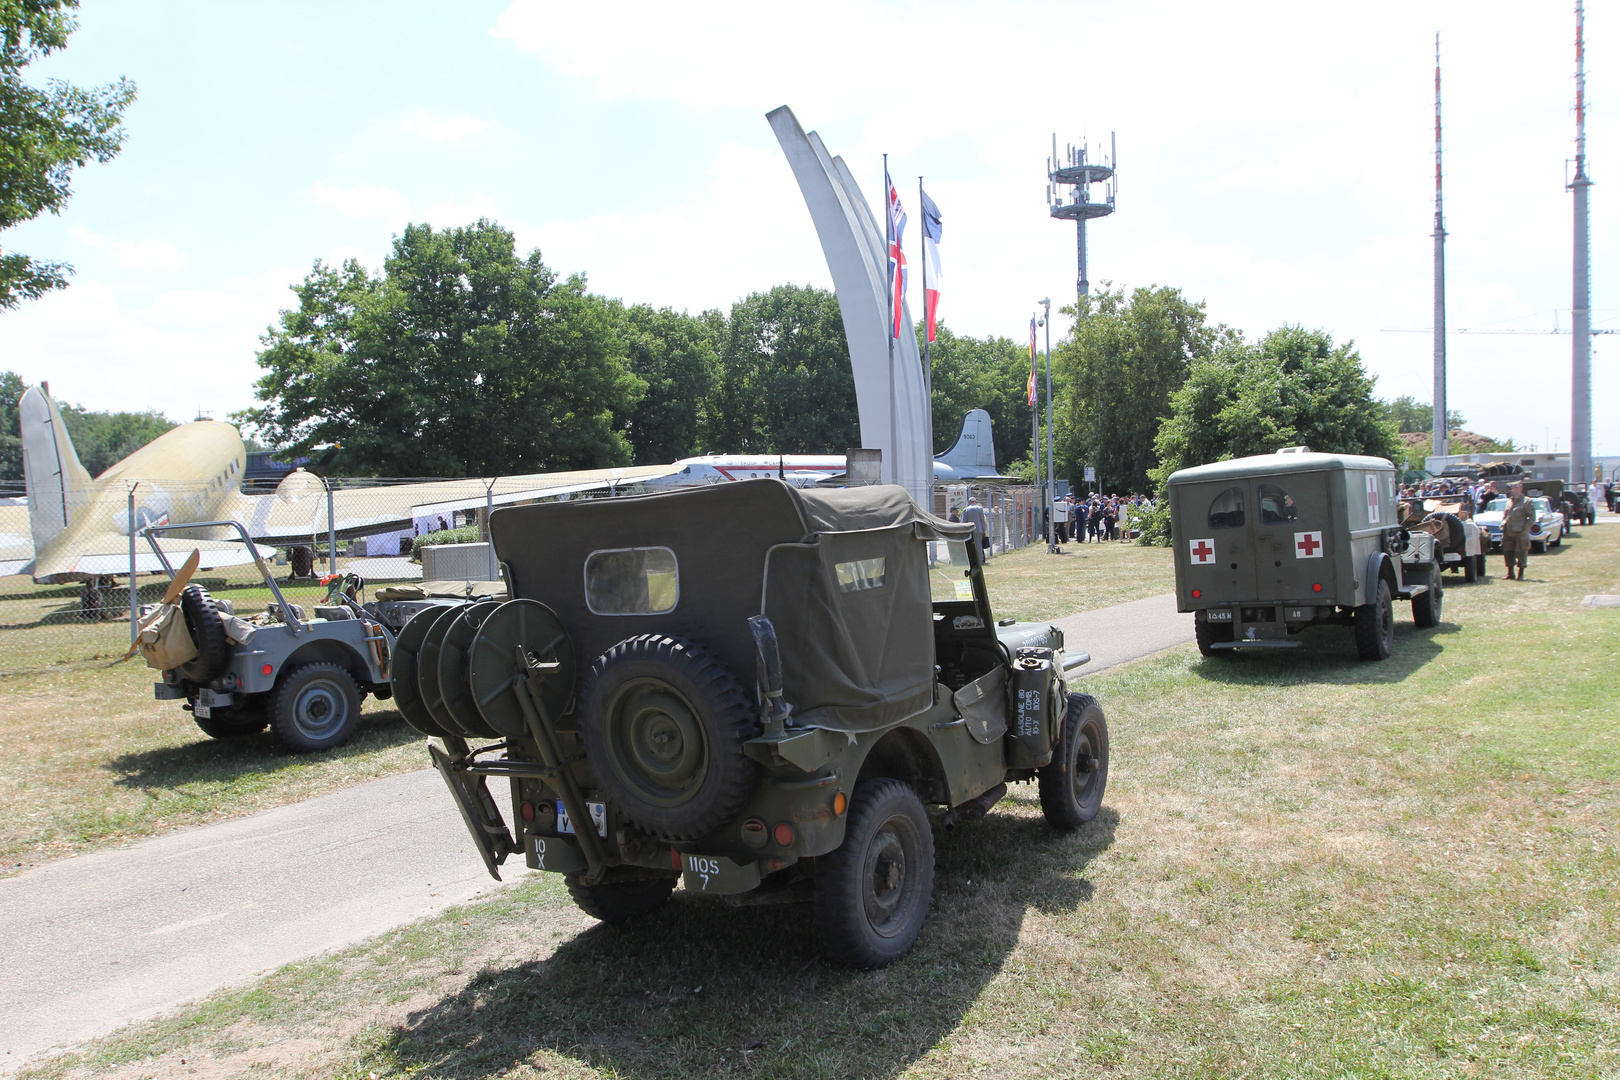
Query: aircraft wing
[108,553]
[297,511]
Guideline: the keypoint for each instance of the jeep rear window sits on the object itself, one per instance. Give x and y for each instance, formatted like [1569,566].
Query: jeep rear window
[861,574]
[1226,512]
[632,581]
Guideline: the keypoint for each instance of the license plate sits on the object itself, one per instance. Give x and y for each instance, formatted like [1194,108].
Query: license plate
[202,710]
[598,812]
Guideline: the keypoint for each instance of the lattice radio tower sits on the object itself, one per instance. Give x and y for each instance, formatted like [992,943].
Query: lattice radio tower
[1076,171]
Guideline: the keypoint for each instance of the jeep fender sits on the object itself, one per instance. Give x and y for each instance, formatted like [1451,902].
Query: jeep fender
[904,753]
[341,653]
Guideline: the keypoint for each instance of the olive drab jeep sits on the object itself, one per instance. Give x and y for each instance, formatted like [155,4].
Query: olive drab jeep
[750,690]
[1268,545]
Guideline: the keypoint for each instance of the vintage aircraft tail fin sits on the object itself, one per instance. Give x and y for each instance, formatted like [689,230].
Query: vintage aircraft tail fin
[974,446]
[57,483]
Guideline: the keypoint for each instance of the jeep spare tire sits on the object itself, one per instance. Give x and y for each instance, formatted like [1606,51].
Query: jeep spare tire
[207,631]
[664,724]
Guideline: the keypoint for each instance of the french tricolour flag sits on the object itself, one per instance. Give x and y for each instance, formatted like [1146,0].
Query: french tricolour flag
[931,227]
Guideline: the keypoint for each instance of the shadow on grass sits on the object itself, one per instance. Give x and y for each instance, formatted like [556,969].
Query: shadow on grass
[701,989]
[1327,654]
[226,760]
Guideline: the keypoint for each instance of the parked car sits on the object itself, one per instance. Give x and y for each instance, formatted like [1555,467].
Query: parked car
[1546,531]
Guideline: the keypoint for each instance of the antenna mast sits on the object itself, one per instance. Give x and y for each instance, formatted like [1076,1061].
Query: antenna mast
[1442,431]
[1078,171]
[1580,428]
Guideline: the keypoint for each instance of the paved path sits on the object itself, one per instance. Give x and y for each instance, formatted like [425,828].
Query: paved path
[91,943]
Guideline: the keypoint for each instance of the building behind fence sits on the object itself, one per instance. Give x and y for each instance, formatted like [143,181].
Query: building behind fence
[46,627]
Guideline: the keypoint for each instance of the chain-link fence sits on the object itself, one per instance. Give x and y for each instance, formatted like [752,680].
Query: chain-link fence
[430,534]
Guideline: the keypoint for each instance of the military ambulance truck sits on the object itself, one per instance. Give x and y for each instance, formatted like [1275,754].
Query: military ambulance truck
[1268,545]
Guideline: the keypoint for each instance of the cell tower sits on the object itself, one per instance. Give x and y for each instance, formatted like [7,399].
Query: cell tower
[1580,429]
[1076,170]
[1442,431]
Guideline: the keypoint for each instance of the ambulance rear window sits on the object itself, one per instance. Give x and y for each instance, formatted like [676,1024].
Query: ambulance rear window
[1275,505]
[1226,512]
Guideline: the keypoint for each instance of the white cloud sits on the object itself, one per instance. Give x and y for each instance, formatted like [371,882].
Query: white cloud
[432,127]
[363,201]
[148,255]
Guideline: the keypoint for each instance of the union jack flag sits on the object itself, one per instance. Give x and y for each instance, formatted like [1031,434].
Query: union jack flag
[897,257]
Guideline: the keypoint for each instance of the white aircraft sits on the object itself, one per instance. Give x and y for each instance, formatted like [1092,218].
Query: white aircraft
[971,457]
[77,528]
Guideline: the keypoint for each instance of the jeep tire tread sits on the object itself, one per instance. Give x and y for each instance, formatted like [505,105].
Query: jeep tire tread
[664,723]
[1072,785]
[207,631]
[1375,625]
[620,901]
[247,717]
[314,707]
[1426,606]
[873,890]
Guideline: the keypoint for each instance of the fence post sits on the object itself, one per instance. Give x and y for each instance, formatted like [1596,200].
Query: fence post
[331,530]
[489,536]
[134,597]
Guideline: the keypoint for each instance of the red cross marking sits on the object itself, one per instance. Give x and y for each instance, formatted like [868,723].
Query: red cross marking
[1310,544]
[1203,552]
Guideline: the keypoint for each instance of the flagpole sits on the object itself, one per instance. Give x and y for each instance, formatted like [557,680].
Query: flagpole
[928,354]
[888,237]
[1051,460]
[1034,416]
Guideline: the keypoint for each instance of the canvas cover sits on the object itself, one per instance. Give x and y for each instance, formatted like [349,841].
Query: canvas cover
[843,575]
[163,640]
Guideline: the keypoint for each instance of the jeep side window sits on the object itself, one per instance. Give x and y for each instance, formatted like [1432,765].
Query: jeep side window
[632,581]
[1275,505]
[1226,512]
[947,570]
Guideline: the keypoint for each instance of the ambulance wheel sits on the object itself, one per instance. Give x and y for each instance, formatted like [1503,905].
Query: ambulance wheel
[1208,633]
[314,707]
[207,631]
[1426,607]
[1375,625]
[620,901]
[873,890]
[1072,785]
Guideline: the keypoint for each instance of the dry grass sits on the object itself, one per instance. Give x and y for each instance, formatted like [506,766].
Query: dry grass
[92,759]
[1306,865]
[1029,584]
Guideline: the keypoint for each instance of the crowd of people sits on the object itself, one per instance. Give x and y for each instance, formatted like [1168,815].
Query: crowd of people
[1079,519]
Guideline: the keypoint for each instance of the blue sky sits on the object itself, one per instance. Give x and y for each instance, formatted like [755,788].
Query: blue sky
[1275,161]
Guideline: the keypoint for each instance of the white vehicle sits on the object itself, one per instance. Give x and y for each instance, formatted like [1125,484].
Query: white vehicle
[1546,531]
[971,457]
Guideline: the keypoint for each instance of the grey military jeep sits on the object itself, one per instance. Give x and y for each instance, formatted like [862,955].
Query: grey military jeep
[752,690]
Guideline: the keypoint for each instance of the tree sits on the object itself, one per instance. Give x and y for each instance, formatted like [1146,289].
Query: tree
[1114,374]
[11,464]
[45,134]
[677,356]
[1293,387]
[1408,415]
[785,385]
[459,359]
[981,373]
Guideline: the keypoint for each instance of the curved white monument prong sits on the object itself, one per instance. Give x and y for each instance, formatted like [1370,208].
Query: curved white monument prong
[853,243]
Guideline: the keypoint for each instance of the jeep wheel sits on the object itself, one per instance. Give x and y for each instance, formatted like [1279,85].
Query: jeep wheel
[1375,625]
[1426,606]
[1480,569]
[873,890]
[620,901]
[664,724]
[207,633]
[235,721]
[1072,785]
[1470,569]
[1208,633]
[314,707]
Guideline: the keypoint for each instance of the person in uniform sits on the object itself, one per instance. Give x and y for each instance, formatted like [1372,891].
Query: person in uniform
[1516,522]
